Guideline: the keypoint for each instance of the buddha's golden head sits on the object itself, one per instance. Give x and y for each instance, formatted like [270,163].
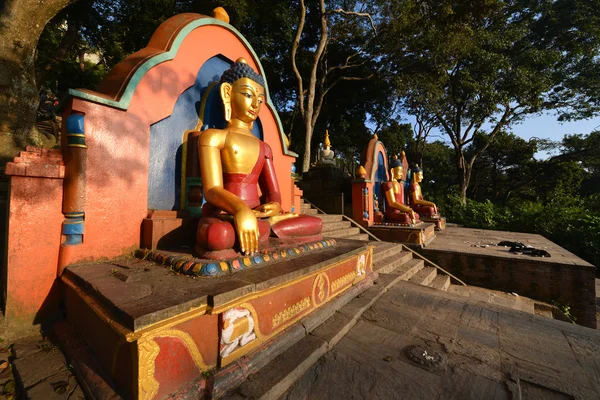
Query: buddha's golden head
[396,169]
[417,173]
[242,92]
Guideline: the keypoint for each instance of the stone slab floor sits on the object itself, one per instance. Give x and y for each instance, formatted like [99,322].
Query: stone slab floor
[419,343]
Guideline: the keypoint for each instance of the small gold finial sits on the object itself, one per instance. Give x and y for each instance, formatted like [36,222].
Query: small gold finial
[361,172]
[242,60]
[220,14]
[403,154]
[394,157]
[326,142]
[375,137]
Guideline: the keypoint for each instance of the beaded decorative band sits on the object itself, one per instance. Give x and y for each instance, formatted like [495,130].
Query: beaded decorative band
[197,267]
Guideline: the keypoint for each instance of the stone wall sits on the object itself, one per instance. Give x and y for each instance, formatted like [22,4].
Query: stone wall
[569,284]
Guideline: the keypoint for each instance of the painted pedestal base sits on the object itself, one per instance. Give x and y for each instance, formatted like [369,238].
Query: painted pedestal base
[439,222]
[155,330]
[419,235]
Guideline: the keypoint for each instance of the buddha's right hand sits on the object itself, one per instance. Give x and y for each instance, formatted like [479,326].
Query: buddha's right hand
[247,230]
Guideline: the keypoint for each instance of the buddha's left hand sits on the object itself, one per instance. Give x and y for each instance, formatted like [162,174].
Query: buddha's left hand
[267,210]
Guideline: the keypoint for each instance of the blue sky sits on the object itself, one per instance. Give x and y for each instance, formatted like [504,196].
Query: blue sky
[544,126]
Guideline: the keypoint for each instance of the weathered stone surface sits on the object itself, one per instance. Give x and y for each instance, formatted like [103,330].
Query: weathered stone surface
[335,328]
[563,276]
[388,280]
[411,381]
[282,372]
[355,307]
[268,351]
[39,366]
[468,385]
[485,352]
[140,293]
[353,379]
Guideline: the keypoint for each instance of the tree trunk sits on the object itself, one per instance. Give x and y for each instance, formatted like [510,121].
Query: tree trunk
[308,139]
[21,24]
[61,51]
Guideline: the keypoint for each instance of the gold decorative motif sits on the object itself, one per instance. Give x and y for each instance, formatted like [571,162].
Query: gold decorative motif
[148,385]
[321,284]
[343,281]
[320,289]
[148,350]
[291,312]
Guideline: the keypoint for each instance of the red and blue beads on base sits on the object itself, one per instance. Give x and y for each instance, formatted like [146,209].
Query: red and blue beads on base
[186,265]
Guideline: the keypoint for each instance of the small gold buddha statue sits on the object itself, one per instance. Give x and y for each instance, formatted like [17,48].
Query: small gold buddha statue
[233,164]
[415,196]
[395,209]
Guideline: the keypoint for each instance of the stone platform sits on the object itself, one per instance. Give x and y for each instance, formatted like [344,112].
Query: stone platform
[440,223]
[418,343]
[154,329]
[418,235]
[473,256]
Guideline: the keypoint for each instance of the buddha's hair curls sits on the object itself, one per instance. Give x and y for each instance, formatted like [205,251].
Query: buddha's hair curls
[395,163]
[239,70]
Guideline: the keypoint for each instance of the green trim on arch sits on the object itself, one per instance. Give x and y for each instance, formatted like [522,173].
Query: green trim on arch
[123,102]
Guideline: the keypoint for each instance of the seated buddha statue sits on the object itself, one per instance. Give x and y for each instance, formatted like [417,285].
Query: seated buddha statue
[415,196]
[395,209]
[234,164]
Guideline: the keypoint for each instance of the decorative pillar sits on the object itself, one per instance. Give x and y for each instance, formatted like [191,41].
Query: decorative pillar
[74,187]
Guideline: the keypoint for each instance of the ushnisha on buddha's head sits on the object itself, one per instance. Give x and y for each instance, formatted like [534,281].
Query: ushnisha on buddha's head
[396,169]
[417,173]
[242,92]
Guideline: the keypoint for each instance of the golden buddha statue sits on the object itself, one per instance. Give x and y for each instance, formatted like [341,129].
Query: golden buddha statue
[396,210]
[233,163]
[415,196]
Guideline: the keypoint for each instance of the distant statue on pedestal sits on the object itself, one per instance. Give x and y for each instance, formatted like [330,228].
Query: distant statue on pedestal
[233,164]
[326,155]
[415,196]
[395,209]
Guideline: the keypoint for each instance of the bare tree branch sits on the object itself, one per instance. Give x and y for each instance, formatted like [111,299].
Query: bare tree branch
[295,46]
[358,14]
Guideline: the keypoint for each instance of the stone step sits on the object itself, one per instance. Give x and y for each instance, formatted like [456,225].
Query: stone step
[332,226]
[360,236]
[341,233]
[309,211]
[304,206]
[384,250]
[275,378]
[409,269]
[391,263]
[329,217]
[441,282]
[424,276]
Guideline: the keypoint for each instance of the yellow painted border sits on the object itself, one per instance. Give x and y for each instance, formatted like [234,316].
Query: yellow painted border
[254,295]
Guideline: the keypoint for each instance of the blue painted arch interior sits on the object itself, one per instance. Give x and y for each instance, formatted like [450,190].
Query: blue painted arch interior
[167,135]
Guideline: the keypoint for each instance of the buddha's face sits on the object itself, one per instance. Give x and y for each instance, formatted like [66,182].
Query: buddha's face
[397,173]
[245,98]
[418,176]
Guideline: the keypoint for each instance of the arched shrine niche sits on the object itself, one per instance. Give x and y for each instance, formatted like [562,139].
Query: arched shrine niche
[196,109]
